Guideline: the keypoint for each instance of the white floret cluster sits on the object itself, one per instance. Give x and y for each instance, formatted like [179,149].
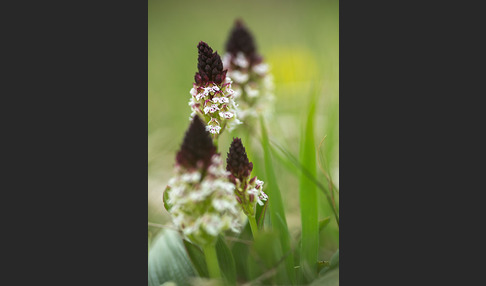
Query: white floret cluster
[253,86]
[203,207]
[215,104]
[249,194]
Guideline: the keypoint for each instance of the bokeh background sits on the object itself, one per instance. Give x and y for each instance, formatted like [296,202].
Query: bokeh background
[299,40]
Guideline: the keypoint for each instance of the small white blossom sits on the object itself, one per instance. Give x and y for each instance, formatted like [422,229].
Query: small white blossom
[226,60]
[226,115]
[240,60]
[213,108]
[233,124]
[223,205]
[193,177]
[201,95]
[259,183]
[220,100]
[239,76]
[212,224]
[213,129]
[229,91]
[250,91]
[261,198]
[260,69]
[238,92]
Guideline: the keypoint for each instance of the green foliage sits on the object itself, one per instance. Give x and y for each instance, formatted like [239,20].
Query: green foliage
[197,258]
[261,212]
[165,198]
[267,258]
[308,202]
[226,261]
[323,223]
[330,265]
[240,250]
[277,213]
[308,174]
[168,261]
[330,278]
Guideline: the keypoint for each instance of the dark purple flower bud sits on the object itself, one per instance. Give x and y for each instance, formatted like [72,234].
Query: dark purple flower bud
[252,198]
[237,161]
[197,147]
[238,199]
[209,65]
[241,40]
[232,179]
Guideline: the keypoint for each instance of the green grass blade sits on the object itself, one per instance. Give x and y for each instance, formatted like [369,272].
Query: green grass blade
[307,173]
[226,261]
[240,251]
[308,202]
[276,209]
[265,260]
[261,211]
[323,222]
[197,258]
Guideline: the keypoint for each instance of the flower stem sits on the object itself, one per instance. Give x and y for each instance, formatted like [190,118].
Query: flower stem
[215,142]
[212,261]
[253,225]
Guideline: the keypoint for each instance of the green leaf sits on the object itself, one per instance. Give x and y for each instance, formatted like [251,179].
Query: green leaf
[332,264]
[240,252]
[197,258]
[335,259]
[266,249]
[165,198]
[329,278]
[266,257]
[308,202]
[323,222]
[149,239]
[168,260]
[260,214]
[277,211]
[226,261]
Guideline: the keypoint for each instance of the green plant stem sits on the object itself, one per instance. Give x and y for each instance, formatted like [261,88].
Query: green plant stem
[215,142]
[253,225]
[212,261]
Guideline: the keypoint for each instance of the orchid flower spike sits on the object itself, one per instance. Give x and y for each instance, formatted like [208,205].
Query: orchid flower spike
[199,197]
[212,97]
[253,84]
[248,190]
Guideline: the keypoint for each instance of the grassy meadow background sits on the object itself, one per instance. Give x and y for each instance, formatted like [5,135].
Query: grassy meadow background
[300,42]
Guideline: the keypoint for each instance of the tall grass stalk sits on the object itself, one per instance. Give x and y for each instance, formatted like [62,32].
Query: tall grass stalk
[253,225]
[308,202]
[212,261]
[277,213]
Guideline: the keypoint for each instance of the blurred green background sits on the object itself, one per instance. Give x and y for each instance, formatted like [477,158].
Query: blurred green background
[299,40]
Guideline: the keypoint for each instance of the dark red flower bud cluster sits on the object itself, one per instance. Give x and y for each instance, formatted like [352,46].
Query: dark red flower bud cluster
[209,65]
[196,147]
[237,161]
[241,40]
